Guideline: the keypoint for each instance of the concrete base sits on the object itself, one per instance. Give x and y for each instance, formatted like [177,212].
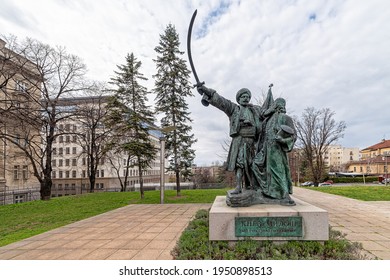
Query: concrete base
[222,219]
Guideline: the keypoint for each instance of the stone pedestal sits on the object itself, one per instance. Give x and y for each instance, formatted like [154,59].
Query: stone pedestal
[268,222]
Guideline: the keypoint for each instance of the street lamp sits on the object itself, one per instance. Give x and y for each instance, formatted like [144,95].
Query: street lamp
[162,167]
[385,155]
[163,131]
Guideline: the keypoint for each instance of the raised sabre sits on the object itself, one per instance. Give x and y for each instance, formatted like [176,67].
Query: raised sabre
[198,83]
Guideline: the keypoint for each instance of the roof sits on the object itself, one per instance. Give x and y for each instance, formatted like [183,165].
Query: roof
[381,145]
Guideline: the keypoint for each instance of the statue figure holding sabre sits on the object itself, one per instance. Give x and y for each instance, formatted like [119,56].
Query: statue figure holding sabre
[248,130]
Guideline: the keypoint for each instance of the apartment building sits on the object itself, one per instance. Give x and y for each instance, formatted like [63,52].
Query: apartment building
[71,164]
[374,160]
[19,83]
[337,157]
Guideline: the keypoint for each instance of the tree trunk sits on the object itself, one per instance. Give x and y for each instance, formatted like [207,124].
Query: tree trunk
[45,190]
[178,182]
[141,180]
[92,182]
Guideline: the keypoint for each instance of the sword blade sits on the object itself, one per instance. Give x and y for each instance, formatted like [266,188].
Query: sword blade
[189,48]
[198,84]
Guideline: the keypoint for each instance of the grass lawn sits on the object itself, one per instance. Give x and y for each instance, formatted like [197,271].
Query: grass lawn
[365,193]
[19,221]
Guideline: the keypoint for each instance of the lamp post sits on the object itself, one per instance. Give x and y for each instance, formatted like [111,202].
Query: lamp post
[163,131]
[385,155]
[162,167]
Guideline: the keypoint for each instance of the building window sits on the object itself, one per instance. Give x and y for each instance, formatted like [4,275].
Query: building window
[61,139]
[74,150]
[54,151]
[17,139]
[25,172]
[102,173]
[73,186]
[19,198]
[54,163]
[20,86]
[67,162]
[74,138]
[59,187]
[84,161]
[67,150]
[67,174]
[67,139]
[74,162]
[73,173]
[60,174]
[60,162]
[16,172]
[53,174]
[84,173]
[61,151]
[66,186]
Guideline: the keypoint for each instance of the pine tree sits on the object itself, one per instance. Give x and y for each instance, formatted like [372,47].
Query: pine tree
[172,86]
[132,117]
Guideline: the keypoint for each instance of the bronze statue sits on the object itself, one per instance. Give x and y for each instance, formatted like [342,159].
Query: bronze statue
[245,126]
[270,167]
[261,138]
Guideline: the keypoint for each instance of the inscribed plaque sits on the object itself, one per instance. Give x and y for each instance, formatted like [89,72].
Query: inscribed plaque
[268,226]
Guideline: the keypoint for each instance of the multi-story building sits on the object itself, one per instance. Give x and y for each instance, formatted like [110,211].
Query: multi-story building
[71,163]
[337,157]
[19,84]
[374,160]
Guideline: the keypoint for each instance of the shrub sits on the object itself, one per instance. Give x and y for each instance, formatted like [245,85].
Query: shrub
[194,244]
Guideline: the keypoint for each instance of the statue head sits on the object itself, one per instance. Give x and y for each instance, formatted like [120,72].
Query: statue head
[243,96]
[280,105]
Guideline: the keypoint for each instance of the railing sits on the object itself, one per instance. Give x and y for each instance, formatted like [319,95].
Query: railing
[18,196]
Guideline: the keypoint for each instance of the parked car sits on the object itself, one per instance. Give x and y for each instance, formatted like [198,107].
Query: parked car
[386,180]
[327,183]
[307,184]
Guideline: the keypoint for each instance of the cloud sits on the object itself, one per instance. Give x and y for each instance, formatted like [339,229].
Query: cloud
[326,54]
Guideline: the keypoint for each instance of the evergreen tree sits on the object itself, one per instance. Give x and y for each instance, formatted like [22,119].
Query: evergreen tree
[131,118]
[172,86]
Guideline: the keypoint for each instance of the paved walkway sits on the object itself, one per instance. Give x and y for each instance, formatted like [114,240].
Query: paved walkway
[138,232]
[366,222]
[147,232]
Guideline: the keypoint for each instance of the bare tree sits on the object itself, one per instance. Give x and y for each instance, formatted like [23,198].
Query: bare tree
[317,130]
[43,75]
[93,135]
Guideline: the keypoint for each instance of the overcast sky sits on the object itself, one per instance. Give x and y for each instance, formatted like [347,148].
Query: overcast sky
[324,54]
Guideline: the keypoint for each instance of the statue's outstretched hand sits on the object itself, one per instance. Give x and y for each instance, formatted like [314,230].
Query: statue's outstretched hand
[205,90]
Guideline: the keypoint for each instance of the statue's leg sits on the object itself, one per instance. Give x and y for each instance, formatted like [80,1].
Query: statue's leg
[238,189]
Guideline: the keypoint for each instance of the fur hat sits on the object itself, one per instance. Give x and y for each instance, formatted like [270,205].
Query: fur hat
[241,92]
